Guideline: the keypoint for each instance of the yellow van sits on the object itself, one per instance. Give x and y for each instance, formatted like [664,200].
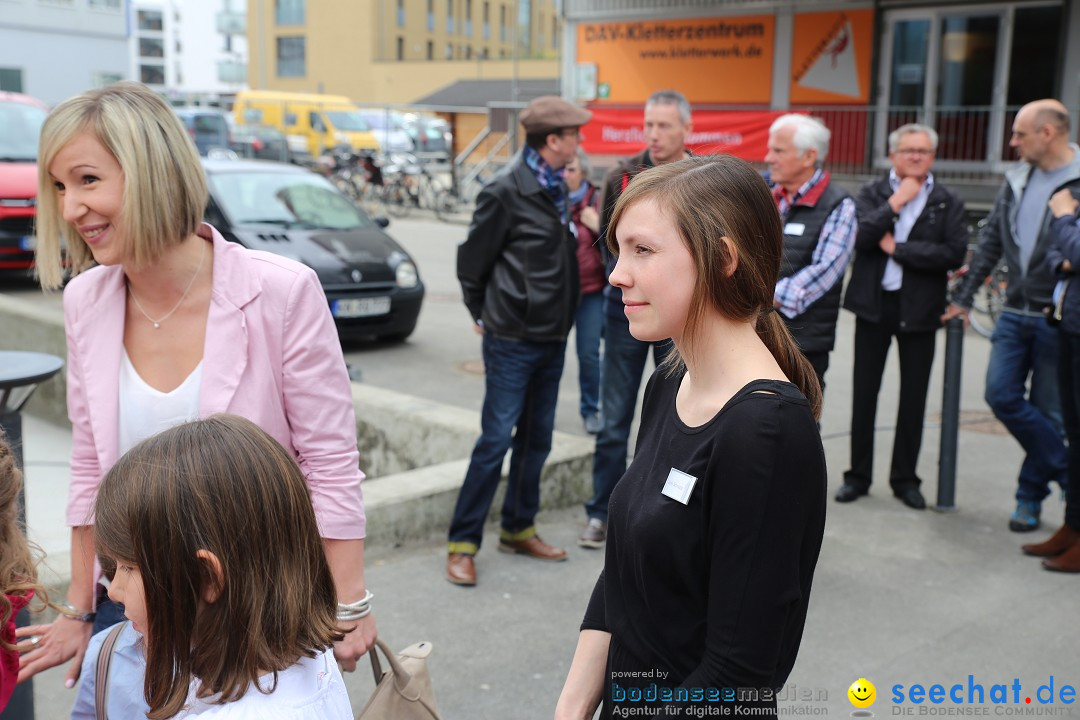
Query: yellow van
[311,122]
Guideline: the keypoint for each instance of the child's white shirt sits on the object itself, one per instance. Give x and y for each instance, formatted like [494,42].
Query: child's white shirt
[312,689]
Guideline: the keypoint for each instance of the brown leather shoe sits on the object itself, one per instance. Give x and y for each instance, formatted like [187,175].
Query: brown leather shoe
[460,569]
[1067,562]
[1058,543]
[533,547]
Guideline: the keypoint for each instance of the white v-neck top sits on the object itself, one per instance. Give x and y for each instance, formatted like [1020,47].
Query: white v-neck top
[145,411]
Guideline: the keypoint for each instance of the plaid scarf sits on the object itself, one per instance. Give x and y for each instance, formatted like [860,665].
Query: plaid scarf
[550,179]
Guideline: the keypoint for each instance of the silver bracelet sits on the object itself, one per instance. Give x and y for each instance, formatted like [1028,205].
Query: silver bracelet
[354,611]
[346,617]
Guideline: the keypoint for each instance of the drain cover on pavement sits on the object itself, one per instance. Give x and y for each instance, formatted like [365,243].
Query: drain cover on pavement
[980,421]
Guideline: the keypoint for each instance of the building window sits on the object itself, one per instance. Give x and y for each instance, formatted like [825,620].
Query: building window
[101,79]
[449,17]
[401,13]
[485,53]
[290,12]
[502,24]
[11,80]
[150,20]
[152,74]
[430,50]
[291,56]
[540,32]
[431,16]
[400,48]
[555,32]
[468,18]
[105,4]
[487,20]
[152,47]
[449,53]
[468,52]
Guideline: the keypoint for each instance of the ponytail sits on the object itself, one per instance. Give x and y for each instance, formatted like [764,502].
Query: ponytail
[774,332]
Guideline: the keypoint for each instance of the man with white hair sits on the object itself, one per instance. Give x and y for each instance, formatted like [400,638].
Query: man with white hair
[819,235]
[911,234]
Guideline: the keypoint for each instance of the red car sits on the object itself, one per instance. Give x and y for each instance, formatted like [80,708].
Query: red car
[21,117]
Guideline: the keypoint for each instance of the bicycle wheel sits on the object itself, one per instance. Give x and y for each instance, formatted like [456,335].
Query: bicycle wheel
[989,300]
[446,204]
[398,200]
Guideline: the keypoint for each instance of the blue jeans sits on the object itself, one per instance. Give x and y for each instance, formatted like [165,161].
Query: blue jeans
[521,388]
[590,328]
[1023,346]
[624,362]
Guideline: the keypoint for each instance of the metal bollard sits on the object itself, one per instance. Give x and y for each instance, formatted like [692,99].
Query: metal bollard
[950,415]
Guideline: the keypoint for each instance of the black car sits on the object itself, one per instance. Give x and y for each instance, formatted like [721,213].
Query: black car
[259,142]
[371,283]
[207,127]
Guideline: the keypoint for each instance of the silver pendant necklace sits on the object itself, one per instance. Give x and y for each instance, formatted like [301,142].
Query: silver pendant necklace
[191,283]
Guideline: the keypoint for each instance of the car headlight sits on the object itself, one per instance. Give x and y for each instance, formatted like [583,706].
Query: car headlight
[405,274]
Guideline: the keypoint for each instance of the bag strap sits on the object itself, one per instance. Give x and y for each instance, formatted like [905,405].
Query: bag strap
[402,678]
[101,673]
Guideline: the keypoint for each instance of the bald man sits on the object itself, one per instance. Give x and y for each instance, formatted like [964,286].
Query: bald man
[1021,379]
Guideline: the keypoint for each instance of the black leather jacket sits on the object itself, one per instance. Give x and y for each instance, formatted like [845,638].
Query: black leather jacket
[936,244]
[518,265]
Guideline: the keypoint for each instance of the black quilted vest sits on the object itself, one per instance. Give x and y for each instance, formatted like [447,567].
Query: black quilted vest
[815,329]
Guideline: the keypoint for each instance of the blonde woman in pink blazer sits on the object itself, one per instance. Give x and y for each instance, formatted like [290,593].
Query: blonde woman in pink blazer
[176,322]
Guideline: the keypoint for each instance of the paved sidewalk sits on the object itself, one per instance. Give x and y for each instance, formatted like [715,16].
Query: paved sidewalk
[900,597]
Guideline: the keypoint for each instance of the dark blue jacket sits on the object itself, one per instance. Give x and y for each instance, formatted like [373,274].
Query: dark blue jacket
[1065,245]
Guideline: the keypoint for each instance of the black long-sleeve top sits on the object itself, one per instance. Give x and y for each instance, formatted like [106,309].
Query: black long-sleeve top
[713,594]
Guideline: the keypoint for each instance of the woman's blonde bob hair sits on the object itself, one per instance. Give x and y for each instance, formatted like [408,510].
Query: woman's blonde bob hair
[165,191]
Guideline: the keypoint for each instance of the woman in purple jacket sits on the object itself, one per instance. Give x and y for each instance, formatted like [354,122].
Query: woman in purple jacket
[584,204]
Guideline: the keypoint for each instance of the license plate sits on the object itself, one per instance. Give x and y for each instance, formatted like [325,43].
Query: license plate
[27,243]
[360,307]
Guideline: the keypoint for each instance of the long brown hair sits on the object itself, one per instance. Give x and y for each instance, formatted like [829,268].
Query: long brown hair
[222,485]
[18,573]
[710,198]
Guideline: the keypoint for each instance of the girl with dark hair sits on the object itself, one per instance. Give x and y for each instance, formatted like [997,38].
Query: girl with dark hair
[219,564]
[716,526]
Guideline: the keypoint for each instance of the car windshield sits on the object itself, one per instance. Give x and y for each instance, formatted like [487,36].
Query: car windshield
[347,120]
[286,199]
[20,125]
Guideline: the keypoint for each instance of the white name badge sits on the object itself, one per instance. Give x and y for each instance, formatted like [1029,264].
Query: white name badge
[679,485]
[794,229]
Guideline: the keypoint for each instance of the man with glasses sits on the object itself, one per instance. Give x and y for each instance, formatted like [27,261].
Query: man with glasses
[519,276]
[1024,345]
[911,233]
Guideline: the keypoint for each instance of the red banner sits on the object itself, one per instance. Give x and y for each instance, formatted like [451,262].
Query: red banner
[741,133]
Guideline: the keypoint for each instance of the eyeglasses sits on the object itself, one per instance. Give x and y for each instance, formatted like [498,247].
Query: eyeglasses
[921,152]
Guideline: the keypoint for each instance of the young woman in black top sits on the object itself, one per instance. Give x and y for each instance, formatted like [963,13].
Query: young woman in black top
[716,526]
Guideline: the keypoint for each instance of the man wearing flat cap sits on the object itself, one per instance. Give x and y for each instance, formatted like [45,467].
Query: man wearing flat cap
[519,275]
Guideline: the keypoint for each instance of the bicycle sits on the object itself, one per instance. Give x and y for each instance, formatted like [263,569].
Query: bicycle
[989,297]
[410,184]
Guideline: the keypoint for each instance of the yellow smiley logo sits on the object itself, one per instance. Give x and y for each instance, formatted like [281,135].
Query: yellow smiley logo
[862,693]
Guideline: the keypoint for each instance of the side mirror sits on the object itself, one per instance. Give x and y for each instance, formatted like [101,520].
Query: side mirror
[382,221]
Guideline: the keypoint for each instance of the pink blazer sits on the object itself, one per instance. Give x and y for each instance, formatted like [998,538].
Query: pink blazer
[272,355]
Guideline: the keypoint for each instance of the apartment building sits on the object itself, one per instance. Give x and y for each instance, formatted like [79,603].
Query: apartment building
[394,51]
[53,49]
[191,52]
